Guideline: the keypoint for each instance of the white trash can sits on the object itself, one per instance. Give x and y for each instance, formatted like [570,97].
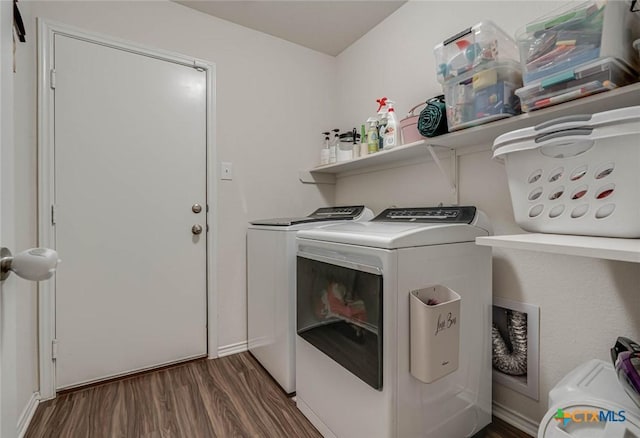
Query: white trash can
[435,332]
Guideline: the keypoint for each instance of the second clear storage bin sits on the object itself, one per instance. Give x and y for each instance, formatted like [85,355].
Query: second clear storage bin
[585,80]
[482,96]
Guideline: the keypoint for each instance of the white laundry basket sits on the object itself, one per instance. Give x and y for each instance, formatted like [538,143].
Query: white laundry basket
[576,174]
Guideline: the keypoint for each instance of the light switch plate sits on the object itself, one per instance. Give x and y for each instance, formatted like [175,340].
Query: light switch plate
[226,171]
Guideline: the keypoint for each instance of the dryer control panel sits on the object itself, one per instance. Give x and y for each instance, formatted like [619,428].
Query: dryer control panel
[462,215]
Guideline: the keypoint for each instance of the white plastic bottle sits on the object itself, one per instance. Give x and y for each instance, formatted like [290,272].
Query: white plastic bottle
[324,152]
[333,147]
[392,129]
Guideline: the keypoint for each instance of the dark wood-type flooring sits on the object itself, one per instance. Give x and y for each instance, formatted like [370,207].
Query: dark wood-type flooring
[228,397]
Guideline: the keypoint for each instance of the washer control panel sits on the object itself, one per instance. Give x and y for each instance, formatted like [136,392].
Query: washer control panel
[338,212]
[463,215]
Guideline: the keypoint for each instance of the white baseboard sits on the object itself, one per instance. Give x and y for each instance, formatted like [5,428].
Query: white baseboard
[227,350]
[27,414]
[515,419]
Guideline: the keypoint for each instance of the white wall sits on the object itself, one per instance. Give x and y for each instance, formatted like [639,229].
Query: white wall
[585,303]
[273,100]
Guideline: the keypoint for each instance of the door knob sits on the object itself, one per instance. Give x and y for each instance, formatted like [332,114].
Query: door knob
[196,208]
[35,264]
[196,229]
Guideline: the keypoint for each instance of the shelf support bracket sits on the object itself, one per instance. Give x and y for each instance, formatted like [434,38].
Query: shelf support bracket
[452,176]
[307,177]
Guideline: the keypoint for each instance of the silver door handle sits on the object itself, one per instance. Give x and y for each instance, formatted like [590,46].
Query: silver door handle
[196,229]
[35,264]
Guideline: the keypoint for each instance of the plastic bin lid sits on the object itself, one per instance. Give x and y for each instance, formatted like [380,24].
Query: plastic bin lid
[516,140]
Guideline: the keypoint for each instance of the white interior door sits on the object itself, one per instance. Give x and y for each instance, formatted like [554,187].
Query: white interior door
[130,162]
[8,306]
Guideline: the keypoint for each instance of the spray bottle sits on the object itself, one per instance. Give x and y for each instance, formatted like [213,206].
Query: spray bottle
[392,128]
[324,152]
[334,145]
[382,120]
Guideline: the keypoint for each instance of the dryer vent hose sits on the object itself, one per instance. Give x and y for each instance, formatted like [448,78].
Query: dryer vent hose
[514,361]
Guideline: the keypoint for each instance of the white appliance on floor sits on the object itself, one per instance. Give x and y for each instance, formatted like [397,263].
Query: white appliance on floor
[271,286]
[354,365]
[592,387]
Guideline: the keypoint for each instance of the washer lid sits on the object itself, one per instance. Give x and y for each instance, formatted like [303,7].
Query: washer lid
[579,420]
[394,235]
[323,214]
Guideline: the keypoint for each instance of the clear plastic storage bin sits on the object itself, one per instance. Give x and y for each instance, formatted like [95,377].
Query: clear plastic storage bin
[591,78]
[482,96]
[577,34]
[471,49]
[576,174]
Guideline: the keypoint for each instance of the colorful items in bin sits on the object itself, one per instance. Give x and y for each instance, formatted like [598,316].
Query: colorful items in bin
[479,97]
[433,119]
[473,48]
[585,80]
[570,37]
[576,174]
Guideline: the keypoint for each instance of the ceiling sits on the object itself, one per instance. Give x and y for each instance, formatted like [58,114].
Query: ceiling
[328,26]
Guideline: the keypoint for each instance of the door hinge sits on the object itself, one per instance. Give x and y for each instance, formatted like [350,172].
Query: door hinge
[207,228]
[52,79]
[54,349]
[53,214]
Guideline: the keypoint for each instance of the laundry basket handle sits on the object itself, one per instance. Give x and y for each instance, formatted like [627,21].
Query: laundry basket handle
[571,132]
[565,119]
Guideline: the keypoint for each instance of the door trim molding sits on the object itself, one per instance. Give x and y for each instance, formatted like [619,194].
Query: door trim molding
[47,30]
[27,414]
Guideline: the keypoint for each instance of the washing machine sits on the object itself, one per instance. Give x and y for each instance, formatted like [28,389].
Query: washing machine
[271,276]
[363,358]
[589,402]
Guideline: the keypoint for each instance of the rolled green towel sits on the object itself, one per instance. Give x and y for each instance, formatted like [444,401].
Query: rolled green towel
[433,119]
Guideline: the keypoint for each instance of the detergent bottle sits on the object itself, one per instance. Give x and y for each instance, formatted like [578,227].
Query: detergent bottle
[372,135]
[391,137]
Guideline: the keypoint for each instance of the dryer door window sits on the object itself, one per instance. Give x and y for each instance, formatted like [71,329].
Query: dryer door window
[339,311]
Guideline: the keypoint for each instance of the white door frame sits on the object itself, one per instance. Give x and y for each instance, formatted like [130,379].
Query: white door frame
[46,193]
[8,299]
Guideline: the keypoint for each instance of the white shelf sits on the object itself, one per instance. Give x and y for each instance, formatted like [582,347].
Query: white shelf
[627,250]
[405,152]
[482,135]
